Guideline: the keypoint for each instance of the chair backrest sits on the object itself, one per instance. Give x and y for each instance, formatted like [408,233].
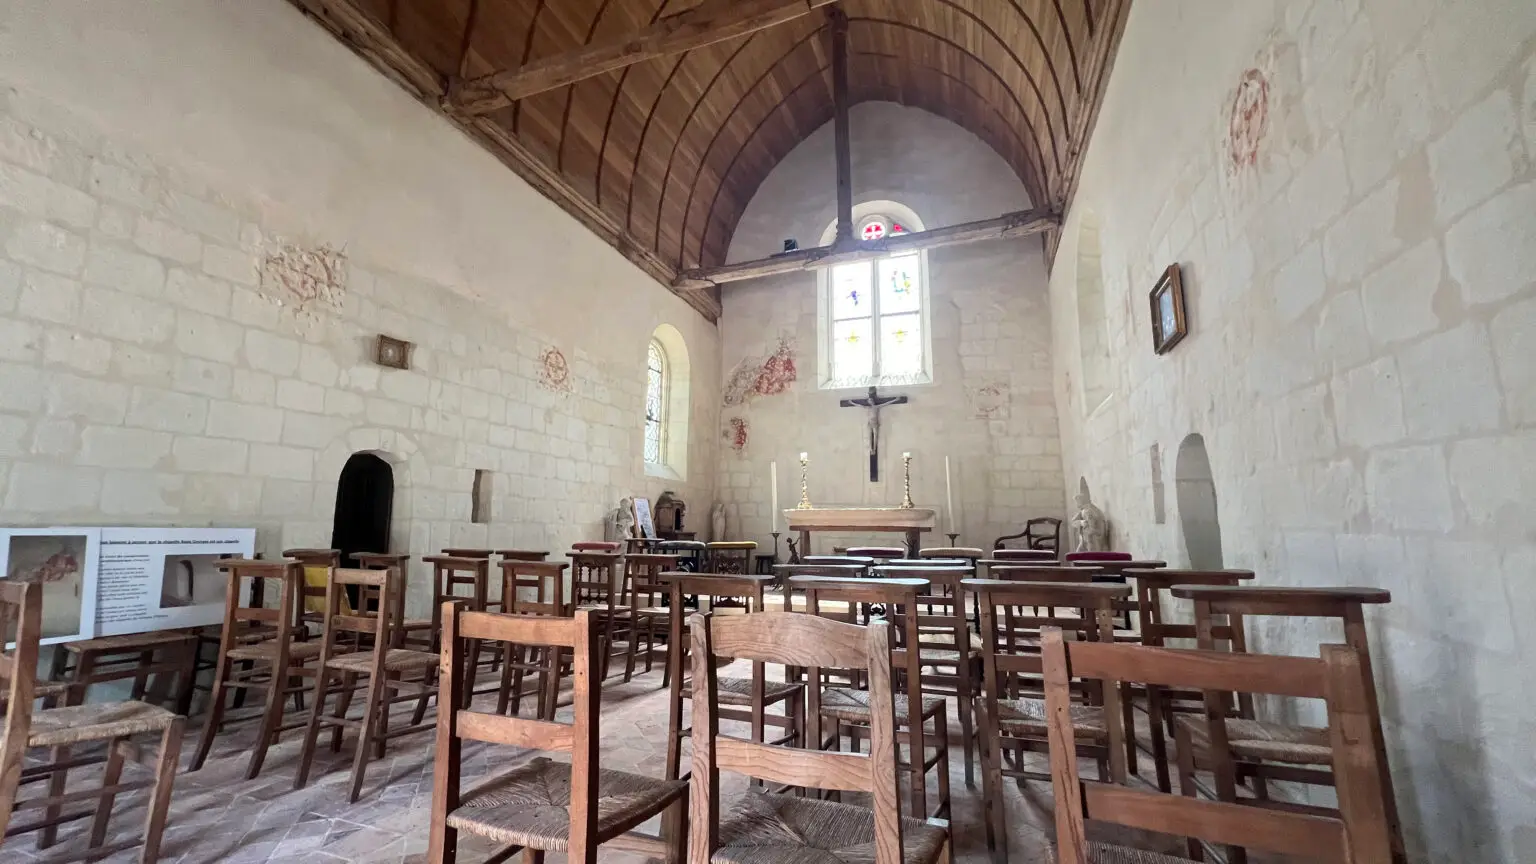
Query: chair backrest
[522,554]
[315,557]
[1358,836]
[544,580]
[580,738]
[792,639]
[264,622]
[877,551]
[1034,573]
[596,546]
[339,617]
[1042,555]
[1152,585]
[459,552]
[21,629]
[969,553]
[641,572]
[861,560]
[596,577]
[927,562]
[1043,532]
[1097,556]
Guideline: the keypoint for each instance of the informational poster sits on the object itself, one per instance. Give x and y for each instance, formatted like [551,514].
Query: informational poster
[63,561]
[643,521]
[165,578]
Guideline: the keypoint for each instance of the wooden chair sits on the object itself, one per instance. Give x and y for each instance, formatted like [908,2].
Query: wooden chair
[783,573]
[647,616]
[596,546]
[850,706]
[1358,834]
[1043,532]
[116,723]
[413,633]
[542,805]
[876,552]
[383,665]
[1254,746]
[271,657]
[597,581]
[1013,723]
[450,575]
[1156,629]
[787,829]
[545,582]
[162,654]
[317,564]
[747,699]
[969,553]
[950,658]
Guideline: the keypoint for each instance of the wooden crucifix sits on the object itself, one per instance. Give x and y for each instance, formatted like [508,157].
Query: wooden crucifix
[874,402]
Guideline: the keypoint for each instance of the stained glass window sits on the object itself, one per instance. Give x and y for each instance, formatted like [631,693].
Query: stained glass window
[655,403]
[876,325]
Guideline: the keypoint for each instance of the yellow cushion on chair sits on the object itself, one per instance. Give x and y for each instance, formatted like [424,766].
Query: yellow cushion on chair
[315,577]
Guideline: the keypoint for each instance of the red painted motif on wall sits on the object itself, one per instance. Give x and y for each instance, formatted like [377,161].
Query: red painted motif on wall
[554,372]
[739,434]
[762,376]
[1249,120]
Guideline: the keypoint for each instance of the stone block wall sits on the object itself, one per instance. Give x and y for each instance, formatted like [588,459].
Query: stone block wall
[1350,188]
[990,407]
[191,285]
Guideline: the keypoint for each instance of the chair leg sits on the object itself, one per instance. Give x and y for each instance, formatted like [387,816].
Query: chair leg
[941,727]
[215,714]
[967,730]
[504,689]
[1128,721]
[312,728]
[428,679]
[109,778]
[674,830]
[992,792]
[470,672]
[1159,740]
[56,785]
[160,798]
[187,679]
[365,734]
[1195,851]
[629,649]
[386,693]
[343,703]
[271,719]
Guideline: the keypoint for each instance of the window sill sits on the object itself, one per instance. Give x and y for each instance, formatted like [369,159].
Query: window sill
[917,380]
[662,472]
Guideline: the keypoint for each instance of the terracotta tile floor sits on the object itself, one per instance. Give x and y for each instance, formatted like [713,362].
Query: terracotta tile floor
[218,816]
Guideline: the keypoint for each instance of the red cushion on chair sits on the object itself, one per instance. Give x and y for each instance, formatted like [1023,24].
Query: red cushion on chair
[1099,556]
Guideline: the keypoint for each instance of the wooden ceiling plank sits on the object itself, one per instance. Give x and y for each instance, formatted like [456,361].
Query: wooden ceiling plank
[1023,223]
[706,24]
[376,44]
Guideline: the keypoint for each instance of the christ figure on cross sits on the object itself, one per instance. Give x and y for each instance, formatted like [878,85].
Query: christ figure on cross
[874,402]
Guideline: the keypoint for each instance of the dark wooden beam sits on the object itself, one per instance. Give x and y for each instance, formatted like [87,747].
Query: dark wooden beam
[844,135]
[371,39]
[710,22]
[1021,224]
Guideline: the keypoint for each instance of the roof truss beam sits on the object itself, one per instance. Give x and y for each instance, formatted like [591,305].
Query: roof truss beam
[1024,223]
[710,22]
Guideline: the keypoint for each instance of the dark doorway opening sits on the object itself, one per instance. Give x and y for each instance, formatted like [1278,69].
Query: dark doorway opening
[365,497]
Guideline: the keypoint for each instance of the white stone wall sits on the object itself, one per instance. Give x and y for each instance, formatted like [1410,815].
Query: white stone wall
[153,154]
[990,407]
[1360,358]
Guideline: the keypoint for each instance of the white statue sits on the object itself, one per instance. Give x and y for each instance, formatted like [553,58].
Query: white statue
[623,520]
[717,521]
[1088,523]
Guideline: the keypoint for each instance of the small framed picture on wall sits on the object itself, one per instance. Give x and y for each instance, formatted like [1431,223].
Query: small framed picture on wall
[1168,323]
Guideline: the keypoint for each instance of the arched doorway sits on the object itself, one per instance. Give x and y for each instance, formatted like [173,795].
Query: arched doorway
[364,503]
[1196,490]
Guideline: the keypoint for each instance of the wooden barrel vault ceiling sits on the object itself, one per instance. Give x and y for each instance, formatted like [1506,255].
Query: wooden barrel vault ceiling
[660,157]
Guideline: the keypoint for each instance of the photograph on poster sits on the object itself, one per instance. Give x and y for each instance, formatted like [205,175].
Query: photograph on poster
[191,580]
[63,562]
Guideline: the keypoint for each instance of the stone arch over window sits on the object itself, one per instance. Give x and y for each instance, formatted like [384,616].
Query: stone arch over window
[873,316]
[1195,486]
[1092,318]
[666,411]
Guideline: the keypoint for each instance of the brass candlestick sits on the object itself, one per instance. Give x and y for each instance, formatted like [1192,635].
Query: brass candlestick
[805,493]
[906,494]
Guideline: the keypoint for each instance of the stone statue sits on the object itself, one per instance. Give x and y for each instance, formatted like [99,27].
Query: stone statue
[717,522]
[1088,523]
[624,520]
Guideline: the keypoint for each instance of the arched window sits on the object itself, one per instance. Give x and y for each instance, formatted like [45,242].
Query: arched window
[656,404]
[874,314]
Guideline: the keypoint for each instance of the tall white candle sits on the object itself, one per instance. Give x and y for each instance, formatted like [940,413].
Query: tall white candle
[773,485]
[949,495]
